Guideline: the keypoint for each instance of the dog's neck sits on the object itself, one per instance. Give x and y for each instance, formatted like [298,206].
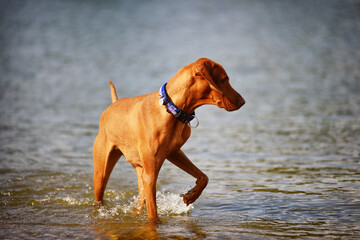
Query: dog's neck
[181,97]
[180,89]
[172,108]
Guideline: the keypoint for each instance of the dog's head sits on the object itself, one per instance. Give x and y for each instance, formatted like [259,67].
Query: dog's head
[216,86]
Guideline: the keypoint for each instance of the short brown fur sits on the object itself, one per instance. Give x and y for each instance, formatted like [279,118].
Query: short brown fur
[146,134]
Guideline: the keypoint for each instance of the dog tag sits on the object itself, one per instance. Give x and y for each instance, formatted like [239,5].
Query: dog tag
[161,102]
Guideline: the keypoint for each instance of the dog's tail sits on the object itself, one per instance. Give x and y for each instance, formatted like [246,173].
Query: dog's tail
[113,92]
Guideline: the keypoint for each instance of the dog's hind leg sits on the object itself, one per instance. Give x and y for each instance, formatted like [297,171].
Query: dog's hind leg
[105,157]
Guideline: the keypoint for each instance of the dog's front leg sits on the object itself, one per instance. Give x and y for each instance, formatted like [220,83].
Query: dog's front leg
[141,200]
[179,159]
[151,168]
[149,180]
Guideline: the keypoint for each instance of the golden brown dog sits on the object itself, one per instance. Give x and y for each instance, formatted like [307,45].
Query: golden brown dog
[147,132]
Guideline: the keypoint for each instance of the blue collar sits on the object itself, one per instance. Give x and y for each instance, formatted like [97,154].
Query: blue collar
[171,108]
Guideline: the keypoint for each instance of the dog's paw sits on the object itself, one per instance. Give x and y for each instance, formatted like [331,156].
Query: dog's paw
[191,196]
[195,192]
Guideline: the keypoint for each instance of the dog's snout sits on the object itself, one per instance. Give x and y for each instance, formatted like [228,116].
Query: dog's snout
[234,104]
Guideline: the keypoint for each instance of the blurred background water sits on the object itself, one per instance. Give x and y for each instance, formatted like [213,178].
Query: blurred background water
[284,165]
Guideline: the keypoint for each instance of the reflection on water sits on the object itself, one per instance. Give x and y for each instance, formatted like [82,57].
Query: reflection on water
[284,165]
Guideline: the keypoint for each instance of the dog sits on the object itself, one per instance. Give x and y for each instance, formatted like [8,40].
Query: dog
[150,128]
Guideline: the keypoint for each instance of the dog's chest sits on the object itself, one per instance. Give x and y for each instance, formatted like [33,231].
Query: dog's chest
[175,139]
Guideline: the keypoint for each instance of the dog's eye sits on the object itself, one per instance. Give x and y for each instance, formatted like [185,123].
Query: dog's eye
[223,80]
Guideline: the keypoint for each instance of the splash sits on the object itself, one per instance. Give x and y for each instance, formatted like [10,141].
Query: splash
[118,204]
[167,204]
[171,203]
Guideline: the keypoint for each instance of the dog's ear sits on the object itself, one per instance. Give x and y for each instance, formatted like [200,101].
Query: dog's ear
[204,68]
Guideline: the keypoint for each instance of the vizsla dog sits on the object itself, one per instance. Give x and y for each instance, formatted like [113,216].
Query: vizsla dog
[150,128]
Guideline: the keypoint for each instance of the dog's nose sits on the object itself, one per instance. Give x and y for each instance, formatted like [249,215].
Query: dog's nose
[241,101]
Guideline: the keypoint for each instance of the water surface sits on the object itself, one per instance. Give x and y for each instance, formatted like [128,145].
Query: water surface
[285,165]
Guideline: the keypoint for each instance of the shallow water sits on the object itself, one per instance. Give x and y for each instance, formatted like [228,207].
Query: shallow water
[285,165]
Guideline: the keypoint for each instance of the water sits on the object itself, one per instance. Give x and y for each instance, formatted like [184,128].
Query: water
[285,165]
